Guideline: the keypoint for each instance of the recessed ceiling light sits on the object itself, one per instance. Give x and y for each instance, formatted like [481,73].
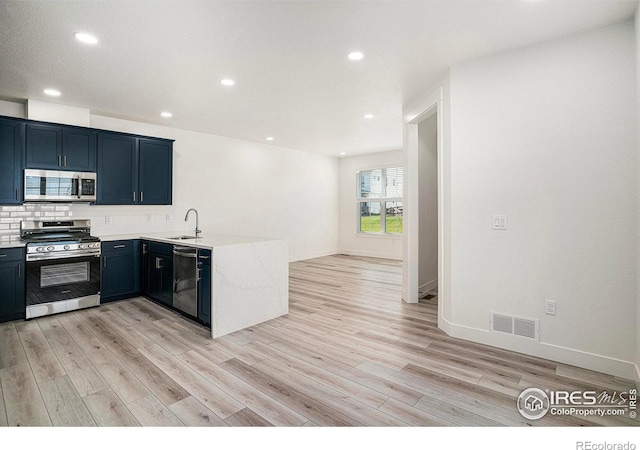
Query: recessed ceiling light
[368,116]
[355,56]
[342,153]
[270,138]
[166,114]
[52,92]
[227,82]
[86,38]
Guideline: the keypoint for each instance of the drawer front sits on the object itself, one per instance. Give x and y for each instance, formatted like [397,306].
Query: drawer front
[204,257]
[159,247]
[12,254]
[110,247]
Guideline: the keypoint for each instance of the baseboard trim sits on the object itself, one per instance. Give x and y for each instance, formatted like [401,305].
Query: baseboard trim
[564,355]
[428,286]
[369,254]
[311,255]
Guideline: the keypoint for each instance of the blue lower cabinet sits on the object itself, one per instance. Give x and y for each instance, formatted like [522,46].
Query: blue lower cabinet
[120,274]
[158,276]
[204,286]
[12,284]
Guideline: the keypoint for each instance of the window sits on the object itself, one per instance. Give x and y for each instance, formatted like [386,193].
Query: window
[379,200]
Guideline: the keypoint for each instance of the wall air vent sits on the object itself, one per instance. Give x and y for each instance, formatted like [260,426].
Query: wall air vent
[517,326]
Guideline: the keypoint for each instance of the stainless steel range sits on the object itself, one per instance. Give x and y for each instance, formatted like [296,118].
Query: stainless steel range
[63,266]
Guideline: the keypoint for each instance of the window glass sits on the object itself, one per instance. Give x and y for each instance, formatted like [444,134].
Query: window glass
[379,200]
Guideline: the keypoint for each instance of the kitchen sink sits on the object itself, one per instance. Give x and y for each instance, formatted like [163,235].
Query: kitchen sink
[180,238]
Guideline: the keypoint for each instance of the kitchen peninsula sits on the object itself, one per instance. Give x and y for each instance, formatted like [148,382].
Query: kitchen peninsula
[249,276]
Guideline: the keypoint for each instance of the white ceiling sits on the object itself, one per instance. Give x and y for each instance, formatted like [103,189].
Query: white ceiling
[288,59]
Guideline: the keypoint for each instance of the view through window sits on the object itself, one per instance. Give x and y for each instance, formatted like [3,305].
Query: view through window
[379,200]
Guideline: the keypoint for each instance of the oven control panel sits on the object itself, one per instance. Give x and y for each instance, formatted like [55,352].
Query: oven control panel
[62,250]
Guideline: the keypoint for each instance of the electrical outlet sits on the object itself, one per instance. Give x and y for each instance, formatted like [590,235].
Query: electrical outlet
[500,222]
[107,220]
[550,307]
[149,217]
[167,217]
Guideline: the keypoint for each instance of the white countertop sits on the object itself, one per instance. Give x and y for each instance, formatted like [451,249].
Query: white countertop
[12,243]
[206,240]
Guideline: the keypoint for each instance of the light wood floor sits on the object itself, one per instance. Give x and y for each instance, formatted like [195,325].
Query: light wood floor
[350,352]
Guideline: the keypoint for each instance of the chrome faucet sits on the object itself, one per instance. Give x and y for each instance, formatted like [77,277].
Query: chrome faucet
[187,217]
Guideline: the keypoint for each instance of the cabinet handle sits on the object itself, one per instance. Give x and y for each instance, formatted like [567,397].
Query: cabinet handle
[198,274]
[203,257]
[17,194]
[158,261]
[119,246]
[2,256]
[65,161]
[141,196]
[19,270]
[134,196]
[104,264]
[144,249]
[59,160]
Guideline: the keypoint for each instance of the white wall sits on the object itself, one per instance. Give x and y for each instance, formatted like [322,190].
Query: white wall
[350,242]
[12,109]
[428,209]
[238,187]
[546,135]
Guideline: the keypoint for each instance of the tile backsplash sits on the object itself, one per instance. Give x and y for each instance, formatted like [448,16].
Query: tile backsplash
[122,219]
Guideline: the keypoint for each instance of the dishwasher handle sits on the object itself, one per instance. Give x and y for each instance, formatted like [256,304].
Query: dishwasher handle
[184,254]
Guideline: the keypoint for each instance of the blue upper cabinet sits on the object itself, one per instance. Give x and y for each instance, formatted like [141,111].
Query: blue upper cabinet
[11,151]
[79,149]
[155,171]
[44,146]
[134,170]
[117,169]
[60,147]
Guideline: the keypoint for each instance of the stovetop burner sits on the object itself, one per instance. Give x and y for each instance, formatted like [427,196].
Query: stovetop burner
[59,239]
[38,239]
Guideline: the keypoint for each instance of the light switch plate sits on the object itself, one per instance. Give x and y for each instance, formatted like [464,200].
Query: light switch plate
[149,217]
[500,222]
[107,219]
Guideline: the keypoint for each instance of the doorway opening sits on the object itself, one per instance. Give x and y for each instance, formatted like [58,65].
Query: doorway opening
[423,243]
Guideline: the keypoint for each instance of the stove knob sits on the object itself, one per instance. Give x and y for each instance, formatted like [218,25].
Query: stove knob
[39,249]
[90,245]
[50,248]
[66,247]
[81,246]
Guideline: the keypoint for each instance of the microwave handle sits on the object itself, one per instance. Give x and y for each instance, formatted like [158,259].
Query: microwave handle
[79,182]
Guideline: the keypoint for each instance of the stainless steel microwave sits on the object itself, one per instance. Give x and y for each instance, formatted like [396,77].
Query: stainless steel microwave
[59,186]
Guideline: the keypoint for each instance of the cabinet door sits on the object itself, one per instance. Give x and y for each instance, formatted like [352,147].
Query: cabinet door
[78,149]
[204,286]
[44,146]
[117,170]
[166,276]
[117,274]
[145,267]
[12,291]
[155,171]
[160,278]
[11,148]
